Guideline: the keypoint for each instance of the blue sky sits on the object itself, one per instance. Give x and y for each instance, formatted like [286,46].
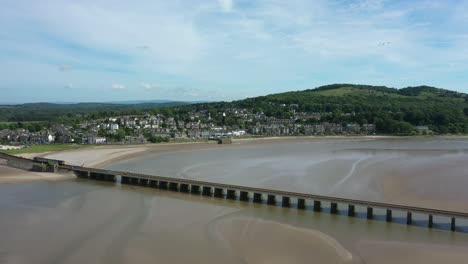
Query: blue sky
[92,50]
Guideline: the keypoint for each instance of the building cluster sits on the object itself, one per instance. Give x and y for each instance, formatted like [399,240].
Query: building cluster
[204,124]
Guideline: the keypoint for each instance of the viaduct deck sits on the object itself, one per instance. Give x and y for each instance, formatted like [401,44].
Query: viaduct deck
[230,192]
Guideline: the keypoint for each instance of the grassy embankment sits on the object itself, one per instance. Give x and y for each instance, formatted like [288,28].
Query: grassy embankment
[45,148]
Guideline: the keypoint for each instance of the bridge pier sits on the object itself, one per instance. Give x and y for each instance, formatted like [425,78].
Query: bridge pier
[184,188]
[206,191]
[271,199]
[195,189]
[218,192]
[301,203]
[452,224]
[92,175]
[173,186]
[285,201]
[231,194]
[163,185]
[409,218]
[430,221]
[244,196]
[370,212]
[351,210]
[334,208]
[257,198]
[317,206]
[388,216]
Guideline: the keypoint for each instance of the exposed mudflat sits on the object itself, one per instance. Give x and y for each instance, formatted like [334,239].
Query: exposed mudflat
[79,221]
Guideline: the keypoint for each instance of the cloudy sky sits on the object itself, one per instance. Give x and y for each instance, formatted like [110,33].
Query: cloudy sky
[110,50]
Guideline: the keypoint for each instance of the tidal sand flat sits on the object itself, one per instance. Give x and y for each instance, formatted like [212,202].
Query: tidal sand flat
[80,221]
[90,221]
[427,172]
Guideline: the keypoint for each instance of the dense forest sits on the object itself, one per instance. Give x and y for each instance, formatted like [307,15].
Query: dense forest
[393,110]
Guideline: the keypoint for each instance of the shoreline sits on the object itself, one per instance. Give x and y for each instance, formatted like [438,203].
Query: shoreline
[104,155]
[9,175]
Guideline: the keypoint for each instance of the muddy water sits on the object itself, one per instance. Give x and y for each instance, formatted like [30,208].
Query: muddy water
[79,221]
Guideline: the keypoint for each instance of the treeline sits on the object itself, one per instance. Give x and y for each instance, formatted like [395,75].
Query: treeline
[71,113]
[394,111]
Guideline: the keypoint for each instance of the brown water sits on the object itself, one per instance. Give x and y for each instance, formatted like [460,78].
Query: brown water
[80,221]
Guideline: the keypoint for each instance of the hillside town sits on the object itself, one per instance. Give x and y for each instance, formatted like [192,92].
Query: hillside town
[153,128]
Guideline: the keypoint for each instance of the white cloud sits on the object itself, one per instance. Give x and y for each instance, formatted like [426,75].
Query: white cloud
[250,49]
[149,86]
[118,86]
[226,5]
[368,5]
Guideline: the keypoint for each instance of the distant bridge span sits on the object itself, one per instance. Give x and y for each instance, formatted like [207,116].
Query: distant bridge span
[258,195]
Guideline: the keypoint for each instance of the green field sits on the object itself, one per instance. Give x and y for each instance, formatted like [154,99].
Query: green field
[45,148]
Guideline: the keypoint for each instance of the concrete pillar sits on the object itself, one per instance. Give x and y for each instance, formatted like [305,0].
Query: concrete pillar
[271,199]
[163,185]
[389,215]
[134,181]
[333,208]
[244,196]
[184,187]
[370,212]
[301,203]
[153,183]
[144,182]
[231,194]
[206,191]
[409,218]
[173,186]
[257,198]
[218,192]
[430,221]
[285,201]
[195,189]
[317,206]
[452,224]
[351,210]
[92,175]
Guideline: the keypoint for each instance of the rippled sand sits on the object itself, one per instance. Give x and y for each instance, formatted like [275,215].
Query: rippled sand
[251,240]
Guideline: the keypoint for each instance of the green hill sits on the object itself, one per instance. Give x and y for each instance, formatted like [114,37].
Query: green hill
[442,110]
[393,111]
